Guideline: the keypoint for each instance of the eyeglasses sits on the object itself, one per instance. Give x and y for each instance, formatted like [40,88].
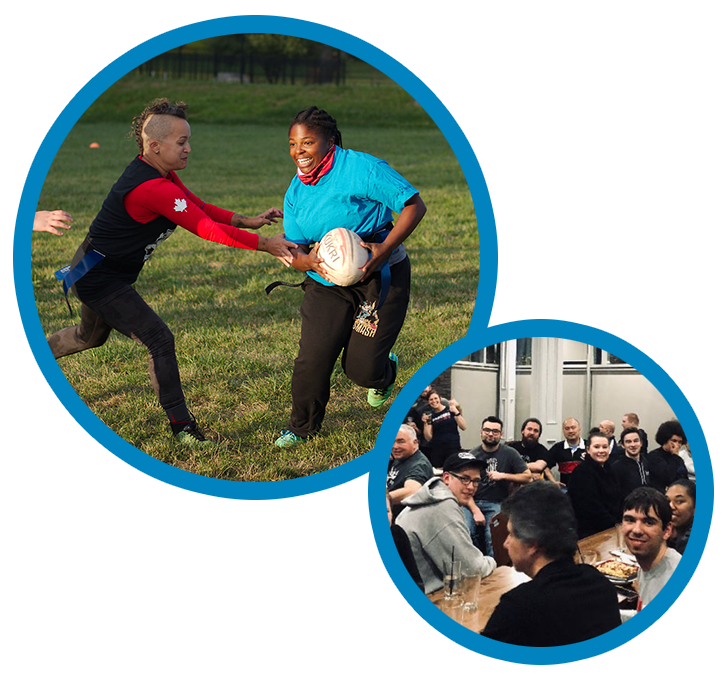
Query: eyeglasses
[466,480]
[491,430]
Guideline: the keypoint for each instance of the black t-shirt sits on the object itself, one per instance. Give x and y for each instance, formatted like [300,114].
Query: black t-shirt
[505,460]
[531,454]
[417,411]
[445,431]
[416,467]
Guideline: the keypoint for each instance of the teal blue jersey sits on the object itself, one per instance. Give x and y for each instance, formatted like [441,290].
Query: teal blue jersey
[358,193]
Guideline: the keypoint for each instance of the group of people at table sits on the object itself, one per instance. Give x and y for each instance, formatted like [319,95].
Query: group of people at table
[445,512]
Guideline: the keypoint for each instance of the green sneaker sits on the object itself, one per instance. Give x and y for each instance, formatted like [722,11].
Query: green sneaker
[289,439]
[378,397]
[192,436]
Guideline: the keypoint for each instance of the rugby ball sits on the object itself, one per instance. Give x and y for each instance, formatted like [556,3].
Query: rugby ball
[341,252]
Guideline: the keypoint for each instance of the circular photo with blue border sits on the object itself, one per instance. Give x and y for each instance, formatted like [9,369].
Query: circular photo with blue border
[475,341]
[76,109]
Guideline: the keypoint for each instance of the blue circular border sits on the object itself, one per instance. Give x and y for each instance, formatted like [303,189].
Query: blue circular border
[75,109]
[475,340]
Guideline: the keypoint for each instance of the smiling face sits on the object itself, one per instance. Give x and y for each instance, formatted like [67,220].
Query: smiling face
[434,401]
[644,534]
[598,449]
[308,147]
[405,445]
[682,506]
[632,445]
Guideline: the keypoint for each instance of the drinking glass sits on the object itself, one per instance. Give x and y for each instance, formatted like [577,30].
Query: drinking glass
[471,590]
[452,579]
[454,608]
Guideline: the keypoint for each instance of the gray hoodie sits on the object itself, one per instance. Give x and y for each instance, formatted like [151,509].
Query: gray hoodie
[434,522]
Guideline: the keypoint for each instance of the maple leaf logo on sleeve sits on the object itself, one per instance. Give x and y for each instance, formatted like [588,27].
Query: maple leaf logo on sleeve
[180,205]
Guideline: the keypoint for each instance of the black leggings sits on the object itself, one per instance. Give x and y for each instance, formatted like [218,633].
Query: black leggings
[126,311]
[328,314]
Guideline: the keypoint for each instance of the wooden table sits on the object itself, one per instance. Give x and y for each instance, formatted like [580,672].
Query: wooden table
[505,578]
[601,544]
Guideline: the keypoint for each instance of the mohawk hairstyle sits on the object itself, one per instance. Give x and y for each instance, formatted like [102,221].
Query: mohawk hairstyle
[159,107]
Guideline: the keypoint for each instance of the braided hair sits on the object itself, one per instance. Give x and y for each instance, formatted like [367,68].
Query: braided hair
[320,121]
[159,107]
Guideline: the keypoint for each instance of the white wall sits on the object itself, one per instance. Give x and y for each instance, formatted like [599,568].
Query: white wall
[476,389]
[614,392]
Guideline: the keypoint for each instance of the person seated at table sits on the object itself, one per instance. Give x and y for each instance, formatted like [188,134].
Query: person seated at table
[564,602]
[593,488]
[409,469]
[434,522]
[665,464]
[631,469]
[647,526]
[534,454]
[682,496]
[401,541]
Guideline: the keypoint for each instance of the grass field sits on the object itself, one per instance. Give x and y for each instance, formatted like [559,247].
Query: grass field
[235,345]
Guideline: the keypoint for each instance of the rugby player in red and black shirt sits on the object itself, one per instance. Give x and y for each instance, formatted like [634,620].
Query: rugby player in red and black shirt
[142,209]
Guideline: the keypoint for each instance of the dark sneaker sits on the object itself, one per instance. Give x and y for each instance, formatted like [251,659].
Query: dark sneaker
[192,436]
[378,397]
[289,439]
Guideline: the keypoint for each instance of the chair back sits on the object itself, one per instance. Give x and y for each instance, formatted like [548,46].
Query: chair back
[498,532]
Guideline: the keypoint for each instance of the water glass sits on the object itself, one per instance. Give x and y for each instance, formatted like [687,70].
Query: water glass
[471,590]
[452,579]
[454,608]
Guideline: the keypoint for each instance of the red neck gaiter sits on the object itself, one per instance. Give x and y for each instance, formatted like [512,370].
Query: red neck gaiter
[313,177]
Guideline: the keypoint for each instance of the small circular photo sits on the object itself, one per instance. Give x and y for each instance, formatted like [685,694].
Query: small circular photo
[541,498]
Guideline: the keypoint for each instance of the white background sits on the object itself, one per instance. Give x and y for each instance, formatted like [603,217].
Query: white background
[600,129]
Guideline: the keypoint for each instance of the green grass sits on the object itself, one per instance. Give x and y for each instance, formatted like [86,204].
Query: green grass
[235,345]
[262,104]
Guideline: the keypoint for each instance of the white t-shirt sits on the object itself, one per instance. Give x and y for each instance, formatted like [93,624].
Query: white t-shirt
[651,581]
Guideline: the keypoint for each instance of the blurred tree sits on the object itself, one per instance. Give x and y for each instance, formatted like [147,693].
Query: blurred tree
[273,52]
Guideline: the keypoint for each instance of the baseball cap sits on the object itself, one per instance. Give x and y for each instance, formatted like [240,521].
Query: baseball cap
[459,460]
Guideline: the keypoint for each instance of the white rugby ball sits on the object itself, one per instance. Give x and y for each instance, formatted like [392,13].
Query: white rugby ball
[341,252]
